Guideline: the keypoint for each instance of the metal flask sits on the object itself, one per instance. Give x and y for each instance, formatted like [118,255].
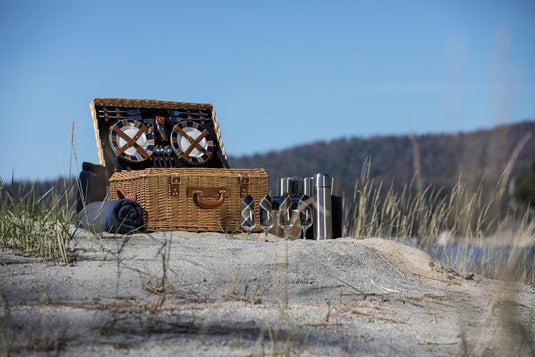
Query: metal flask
[322,207]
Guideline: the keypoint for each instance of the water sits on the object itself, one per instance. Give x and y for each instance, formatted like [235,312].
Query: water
[470,258]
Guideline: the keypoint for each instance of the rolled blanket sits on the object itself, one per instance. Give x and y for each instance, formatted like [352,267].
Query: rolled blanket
[118,216]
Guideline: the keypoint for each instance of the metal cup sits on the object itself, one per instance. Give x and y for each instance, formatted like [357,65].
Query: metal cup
[293,186]
[308,184]
[334,186]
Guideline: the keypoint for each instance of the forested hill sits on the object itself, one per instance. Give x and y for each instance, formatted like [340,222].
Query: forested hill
[441,158]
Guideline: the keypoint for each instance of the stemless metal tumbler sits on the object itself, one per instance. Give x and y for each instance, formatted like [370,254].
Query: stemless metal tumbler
[293,186]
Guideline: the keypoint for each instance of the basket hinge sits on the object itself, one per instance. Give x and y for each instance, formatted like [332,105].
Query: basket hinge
[175,184]
[244,184]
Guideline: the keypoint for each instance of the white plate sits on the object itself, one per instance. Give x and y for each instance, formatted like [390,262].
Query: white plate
[182,135]
[131,128]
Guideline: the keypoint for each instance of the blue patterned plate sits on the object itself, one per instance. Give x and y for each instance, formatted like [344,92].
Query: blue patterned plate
[192,142]
[131,140]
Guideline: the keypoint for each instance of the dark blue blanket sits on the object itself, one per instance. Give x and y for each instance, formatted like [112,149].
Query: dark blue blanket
[91,185]
[118,216]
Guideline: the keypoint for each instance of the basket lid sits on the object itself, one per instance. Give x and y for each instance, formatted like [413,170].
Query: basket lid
[136,134]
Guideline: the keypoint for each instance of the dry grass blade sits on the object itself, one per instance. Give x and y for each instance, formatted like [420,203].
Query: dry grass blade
[465,215]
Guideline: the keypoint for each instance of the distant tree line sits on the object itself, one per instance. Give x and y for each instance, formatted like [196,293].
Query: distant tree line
[479,158]
[524,188]
[60,190]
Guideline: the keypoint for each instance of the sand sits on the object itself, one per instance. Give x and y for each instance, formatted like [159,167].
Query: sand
[212,294]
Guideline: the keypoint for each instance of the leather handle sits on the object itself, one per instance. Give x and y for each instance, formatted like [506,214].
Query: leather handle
[209,203]
[121,193]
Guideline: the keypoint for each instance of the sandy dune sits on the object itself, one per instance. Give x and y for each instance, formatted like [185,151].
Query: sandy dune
[212,294]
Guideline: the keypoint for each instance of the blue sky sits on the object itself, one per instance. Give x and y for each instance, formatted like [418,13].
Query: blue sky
[279,73]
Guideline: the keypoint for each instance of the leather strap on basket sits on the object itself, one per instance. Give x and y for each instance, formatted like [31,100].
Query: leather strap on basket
[130,141]
[244,184]
[121,193]
[201,116]
[195,143]
[160,125]
[175,184]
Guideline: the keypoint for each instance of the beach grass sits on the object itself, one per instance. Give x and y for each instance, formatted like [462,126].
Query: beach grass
[477,221]
[37,223]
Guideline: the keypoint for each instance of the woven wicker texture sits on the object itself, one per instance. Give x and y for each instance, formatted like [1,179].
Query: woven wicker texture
[149,103]
[168,196]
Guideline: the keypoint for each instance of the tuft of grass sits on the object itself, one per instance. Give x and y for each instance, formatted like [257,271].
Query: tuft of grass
[162,285]
[471,228]
[38,223]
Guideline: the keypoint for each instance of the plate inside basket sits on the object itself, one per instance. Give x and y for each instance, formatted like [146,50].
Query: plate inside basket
[131,140]
[192,142]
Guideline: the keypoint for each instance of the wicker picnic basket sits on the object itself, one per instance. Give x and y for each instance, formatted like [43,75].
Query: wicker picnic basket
[191,199]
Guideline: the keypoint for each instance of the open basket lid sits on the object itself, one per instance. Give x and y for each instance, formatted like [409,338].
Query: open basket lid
[135,134]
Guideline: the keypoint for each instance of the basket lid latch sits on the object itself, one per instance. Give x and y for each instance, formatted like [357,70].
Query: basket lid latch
[244,184]
[175,184]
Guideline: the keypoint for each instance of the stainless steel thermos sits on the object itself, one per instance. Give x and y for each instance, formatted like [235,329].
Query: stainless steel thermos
[322,207]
